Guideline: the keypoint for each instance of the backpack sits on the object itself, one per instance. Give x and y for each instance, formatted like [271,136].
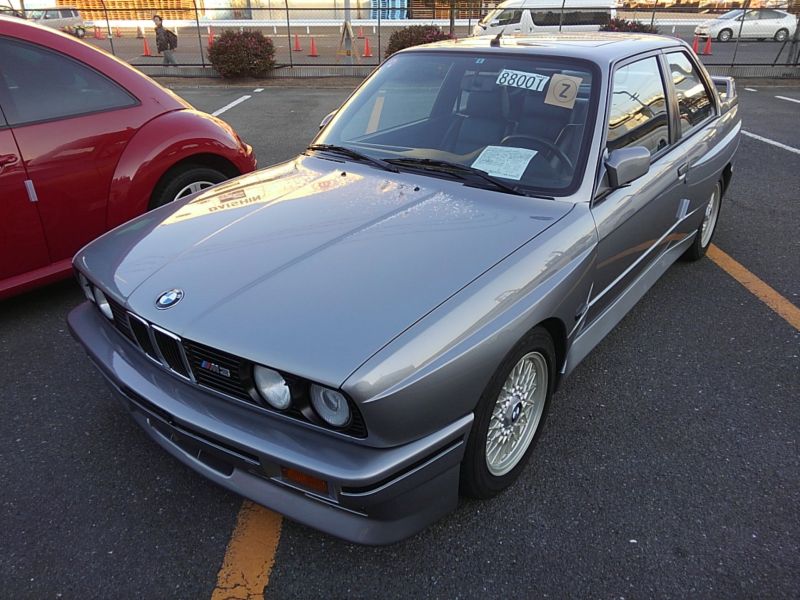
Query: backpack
[172,39]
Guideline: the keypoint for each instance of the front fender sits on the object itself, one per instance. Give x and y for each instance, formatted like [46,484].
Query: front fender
[159,145]
[436,371]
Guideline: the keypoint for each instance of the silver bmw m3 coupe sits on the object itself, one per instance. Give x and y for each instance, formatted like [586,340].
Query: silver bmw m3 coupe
[354,337]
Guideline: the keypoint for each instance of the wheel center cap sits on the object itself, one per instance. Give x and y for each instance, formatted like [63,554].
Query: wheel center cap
[512,413]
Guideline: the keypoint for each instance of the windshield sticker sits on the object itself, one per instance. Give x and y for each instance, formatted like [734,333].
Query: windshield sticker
[562,91]
[504,161]
[521,79]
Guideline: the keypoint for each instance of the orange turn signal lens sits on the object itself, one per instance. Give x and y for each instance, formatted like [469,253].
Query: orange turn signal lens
[305,480]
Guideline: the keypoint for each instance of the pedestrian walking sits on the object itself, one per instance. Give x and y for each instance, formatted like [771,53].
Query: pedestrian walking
[166,41]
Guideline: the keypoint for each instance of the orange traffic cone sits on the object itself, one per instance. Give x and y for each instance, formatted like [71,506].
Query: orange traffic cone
[139,33]
[361,33]
[117,33]
[101,35]
[696,44]
[313,52]
[707,48]
[96,34]
[297,47]
[210,37]
[367,51]
[145,48]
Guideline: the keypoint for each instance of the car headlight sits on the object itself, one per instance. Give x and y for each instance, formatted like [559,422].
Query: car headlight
[330,405]
[86,287]
[102,304]
[272,387]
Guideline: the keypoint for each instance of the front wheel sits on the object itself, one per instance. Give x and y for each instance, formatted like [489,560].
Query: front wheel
[705,233]
[80,33]
[510,417]
[725,35]
[183,181]
[781,35]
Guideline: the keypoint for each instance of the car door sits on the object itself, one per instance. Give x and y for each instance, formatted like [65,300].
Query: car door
[635,222]
[22,243]
[71,124]
[750,27]
[695,111]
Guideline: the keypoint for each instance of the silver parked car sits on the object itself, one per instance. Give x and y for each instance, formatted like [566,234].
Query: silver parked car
[355,335]
[761,24]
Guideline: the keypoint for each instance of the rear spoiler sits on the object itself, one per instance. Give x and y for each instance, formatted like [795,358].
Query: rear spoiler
[726,87]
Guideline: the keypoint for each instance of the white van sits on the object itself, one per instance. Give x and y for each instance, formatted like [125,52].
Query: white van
[531,16]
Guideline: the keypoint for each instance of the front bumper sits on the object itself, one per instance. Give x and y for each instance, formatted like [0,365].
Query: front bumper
[375,495]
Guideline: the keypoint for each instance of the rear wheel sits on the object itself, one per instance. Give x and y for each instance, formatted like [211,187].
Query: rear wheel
[509,417]
[182,181]
[80,33]
[725,35]
[781,35]
[705,233]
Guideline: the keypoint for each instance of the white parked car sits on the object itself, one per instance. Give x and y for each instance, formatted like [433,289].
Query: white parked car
[64,18]
[544,16]
[754,24]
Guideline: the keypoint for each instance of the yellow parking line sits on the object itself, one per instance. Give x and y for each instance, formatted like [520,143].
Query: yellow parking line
[756,286]
[250,555]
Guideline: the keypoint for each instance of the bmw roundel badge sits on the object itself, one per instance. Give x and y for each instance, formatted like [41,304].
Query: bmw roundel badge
[169,299]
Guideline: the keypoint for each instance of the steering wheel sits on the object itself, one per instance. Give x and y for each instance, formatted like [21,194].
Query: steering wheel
[540,142]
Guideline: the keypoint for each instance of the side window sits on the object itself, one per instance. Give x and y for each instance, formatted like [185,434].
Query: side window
[66,14]
[694,103]
[638,115]
[543,18]
[52,14]
[40,85]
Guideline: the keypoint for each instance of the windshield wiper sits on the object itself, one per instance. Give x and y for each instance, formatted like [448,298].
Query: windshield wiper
[354,154]
[457,169]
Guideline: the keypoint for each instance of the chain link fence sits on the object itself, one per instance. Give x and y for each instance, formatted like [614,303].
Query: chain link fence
[350,37]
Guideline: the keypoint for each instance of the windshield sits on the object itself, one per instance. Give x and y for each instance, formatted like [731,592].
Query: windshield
[518,118]
[36,14]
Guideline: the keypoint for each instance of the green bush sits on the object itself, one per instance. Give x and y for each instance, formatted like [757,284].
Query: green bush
[625,25]
[242,54]
[414,35]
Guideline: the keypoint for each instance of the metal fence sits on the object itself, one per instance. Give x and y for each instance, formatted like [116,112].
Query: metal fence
[328,40]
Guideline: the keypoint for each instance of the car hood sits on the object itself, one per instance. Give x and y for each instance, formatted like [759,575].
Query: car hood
[312,266]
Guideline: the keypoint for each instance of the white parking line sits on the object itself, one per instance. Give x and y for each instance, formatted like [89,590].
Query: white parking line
[751,89]
[789,99]
[258,90]
[772,142]
[230,105]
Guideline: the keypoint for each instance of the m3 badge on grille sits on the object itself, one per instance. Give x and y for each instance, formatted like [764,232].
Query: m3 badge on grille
[169,299]
[214,368]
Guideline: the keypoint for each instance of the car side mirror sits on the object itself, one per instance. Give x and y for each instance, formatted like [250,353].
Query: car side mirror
[627,164]
[327,119]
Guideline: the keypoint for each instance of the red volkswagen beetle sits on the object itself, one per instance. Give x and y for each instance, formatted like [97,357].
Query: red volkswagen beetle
[86,143]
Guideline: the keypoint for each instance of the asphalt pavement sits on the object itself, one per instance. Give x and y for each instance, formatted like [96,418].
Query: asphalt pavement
[669,465]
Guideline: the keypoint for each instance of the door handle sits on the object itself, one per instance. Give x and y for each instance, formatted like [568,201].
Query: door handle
[682,170]
[7,159]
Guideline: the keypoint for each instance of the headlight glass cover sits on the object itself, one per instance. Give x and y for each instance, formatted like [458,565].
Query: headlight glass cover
[272,387]
[102,303]
[330,405]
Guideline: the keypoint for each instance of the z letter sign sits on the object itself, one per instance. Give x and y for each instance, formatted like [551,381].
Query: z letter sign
[562,91]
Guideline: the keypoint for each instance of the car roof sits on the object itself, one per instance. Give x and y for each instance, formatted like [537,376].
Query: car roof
[602,48]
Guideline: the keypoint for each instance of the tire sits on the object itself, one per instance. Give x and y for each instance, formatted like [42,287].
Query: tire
[725,35]
[486,469]
[80,33]
[781,35]
[705,233]
[181,181]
